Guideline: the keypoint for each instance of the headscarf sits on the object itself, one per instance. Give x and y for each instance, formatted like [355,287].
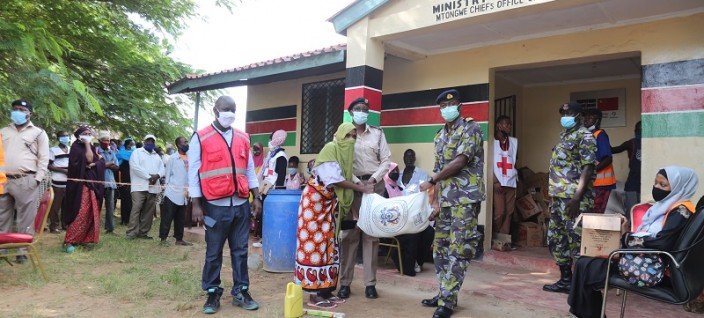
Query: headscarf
[79,131]
[392,187]
[683,182]
[277,139]
[258,160]
[340,150]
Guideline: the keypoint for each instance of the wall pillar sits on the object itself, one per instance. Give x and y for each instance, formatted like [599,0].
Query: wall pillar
[365,70]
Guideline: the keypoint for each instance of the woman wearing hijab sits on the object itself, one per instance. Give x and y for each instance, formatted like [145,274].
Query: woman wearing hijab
[81,206]
[659,229]
[392,188]
[317,250]
[258,156]
[273,172]
[123,160]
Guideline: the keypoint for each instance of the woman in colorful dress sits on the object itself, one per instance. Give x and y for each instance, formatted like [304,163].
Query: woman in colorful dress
[81,206]
[317,254]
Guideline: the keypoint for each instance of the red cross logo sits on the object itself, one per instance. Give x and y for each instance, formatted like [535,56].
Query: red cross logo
[504,165]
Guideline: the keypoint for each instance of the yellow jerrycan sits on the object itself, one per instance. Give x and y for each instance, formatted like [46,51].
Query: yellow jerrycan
[293,303]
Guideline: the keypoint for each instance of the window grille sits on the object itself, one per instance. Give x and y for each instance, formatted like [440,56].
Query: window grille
[322,111]
[506,107]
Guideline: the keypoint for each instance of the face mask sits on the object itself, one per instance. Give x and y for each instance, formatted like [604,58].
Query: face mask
[64,140]
[18,117]
[104,145]
[660,194]
[567,122]
[360,118]
[149,147]
[592,127]
[184,148]
[450,113]
[226,119]
[393,175]
[86,138]
[292,171]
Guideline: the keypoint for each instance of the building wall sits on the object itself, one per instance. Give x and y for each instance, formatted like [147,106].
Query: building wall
[284,93]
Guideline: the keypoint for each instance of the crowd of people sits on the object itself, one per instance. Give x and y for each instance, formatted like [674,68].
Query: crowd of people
[218,179]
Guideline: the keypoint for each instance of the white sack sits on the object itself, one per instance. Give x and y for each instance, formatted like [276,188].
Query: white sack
[382,217]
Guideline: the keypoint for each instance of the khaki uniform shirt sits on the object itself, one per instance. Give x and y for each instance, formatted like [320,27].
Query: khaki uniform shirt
[371,154]
[26,150]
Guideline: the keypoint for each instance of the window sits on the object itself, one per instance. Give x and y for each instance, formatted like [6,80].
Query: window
[323,108]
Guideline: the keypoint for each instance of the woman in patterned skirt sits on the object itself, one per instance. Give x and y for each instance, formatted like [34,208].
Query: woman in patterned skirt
[81,206]
[317,254]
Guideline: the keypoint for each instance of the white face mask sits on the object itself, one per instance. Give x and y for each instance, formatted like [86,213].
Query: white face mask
[226,119]
[592,127]
[85,138]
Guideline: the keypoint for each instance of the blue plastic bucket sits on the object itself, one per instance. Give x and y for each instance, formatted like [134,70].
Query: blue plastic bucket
[279,230]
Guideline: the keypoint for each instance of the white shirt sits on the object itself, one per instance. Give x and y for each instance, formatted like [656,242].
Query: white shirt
[329,173]
[413,186]
[59,159]
[194,163]
[176,179]
[142,165]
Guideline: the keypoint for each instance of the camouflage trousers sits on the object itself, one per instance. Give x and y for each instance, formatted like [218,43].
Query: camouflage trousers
[563,238]
[456,240]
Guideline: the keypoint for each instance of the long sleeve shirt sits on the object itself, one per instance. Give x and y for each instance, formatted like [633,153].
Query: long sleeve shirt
[176,179]
[26,150]
[194,164]
[142,165]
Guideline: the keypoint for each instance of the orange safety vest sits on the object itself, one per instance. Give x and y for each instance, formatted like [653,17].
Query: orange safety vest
[218,178]
[638,212]
[606,176]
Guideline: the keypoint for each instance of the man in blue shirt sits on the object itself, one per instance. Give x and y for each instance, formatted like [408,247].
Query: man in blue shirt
[110,158]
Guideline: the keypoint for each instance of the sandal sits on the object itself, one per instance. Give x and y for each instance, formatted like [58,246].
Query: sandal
[335,300]
[323,304]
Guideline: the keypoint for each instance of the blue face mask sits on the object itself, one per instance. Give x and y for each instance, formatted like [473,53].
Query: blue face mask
[149,147]
[64,140]
[567,122]
[450,113]
[292,171]
[18,117]
[360,118]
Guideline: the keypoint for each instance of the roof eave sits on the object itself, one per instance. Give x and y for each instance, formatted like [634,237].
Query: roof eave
[272,73]
[354,12]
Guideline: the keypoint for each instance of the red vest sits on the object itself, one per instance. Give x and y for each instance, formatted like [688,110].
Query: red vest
[223,169]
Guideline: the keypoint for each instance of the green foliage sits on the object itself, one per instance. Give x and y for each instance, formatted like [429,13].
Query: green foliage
[101,62]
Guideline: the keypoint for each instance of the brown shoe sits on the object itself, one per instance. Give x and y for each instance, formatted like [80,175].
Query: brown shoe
[183,243]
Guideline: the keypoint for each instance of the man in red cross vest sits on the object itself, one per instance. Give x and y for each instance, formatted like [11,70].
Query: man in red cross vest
[505,150]
[220,179]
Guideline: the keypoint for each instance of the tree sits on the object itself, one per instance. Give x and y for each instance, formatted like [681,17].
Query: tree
[100,62]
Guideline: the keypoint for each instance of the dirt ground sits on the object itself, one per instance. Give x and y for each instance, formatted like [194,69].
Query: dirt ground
[31,297]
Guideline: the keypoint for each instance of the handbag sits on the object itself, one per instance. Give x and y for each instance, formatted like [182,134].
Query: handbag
[641,270]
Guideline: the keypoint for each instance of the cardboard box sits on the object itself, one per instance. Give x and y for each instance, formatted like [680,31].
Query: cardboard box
[527,207]
[529,234]
[601,234]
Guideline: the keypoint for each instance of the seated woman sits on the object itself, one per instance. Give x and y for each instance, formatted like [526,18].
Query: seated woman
[659,229]
[331,186]
[415,248]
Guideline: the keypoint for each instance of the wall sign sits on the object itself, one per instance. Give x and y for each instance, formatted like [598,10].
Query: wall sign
[452,10]
[611,103]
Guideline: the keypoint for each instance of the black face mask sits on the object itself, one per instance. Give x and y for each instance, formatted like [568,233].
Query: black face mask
[393,175]
[660,194]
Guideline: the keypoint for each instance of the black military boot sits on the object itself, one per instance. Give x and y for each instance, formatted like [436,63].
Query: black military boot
[563,285]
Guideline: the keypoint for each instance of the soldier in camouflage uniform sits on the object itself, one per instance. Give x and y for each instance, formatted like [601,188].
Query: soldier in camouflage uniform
[571,177]
[459,185]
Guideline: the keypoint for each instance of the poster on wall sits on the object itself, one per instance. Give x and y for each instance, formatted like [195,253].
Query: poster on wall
[611,103]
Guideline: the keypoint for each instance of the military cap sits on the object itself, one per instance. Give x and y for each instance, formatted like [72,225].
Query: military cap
[448,95]
[359,100]
[23,103]
[573,106]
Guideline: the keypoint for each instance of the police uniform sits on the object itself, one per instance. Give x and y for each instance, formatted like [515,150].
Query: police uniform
[456,235]
[576,149]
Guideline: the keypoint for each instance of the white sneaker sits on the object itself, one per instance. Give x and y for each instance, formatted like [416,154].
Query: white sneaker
[418,269]
[257,244]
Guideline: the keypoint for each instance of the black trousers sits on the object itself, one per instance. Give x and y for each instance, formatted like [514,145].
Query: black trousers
[588,279]
[415,249]
[125,204]
[175,213]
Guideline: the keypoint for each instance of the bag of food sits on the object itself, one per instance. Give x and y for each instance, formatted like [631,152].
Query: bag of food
[382,217]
